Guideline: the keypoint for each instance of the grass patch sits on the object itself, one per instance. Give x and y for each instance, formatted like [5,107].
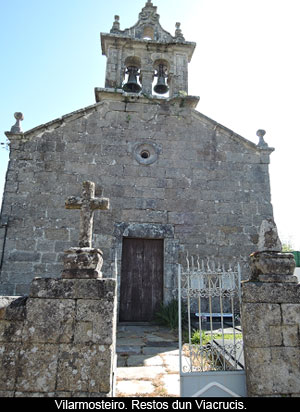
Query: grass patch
[206,337]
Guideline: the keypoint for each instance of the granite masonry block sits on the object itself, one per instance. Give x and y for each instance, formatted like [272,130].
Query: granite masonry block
[37,365]
[84,368]
[73,289]
[59,341]
[49,320]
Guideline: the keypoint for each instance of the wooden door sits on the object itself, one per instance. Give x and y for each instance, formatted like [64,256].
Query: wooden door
[141,291]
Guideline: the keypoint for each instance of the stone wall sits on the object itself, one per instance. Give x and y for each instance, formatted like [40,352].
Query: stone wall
[271,330]
[60,341]
[271,319]
[207,187]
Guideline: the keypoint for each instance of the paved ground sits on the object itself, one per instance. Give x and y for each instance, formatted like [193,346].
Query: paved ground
[148,361]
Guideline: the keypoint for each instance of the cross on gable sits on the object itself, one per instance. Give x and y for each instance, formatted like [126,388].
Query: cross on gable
[87,204]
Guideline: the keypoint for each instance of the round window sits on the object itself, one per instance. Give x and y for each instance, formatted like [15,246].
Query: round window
[146,153]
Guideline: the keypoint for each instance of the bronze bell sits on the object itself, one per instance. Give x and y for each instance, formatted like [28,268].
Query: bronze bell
[132,85]
[161,87]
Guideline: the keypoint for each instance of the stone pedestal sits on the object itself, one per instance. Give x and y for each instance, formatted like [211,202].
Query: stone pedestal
[272,267]
[82,263]
[271,325]
[60,341]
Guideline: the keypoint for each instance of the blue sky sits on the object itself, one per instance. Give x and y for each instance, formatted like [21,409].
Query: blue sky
[245,70]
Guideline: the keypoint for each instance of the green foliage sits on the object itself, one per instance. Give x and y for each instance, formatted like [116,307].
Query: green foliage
[167,315]
[287,247]
[195,339]
[206,337]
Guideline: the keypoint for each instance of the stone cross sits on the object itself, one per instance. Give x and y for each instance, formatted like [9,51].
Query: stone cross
[87,204]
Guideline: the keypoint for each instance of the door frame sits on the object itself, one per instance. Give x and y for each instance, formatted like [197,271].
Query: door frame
[158,279]
[148,231]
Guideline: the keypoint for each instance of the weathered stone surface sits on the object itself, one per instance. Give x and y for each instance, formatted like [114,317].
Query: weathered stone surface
[11,331]
[82,263]
[272,266]
[177,194]
[291,313]
[87,204]
[59,341]
[268,237]
[270,293]
[271,325]
[5,301]
[16,310]
[282,378]
[257,318]
[50,320]
[37,365]
[73,288]
[98,313]
[9,365]
[85,368]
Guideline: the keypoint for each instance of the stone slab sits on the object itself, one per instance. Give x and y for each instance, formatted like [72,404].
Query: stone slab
[270,293]
[151,350]
[139,372]
[171,363]
[135,341]
[172,384]
[134,387]
[73,288]
[144,360]
[128,349]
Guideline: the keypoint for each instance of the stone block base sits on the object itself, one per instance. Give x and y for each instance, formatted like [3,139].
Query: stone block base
[271,329]
[60,341]
[82,263]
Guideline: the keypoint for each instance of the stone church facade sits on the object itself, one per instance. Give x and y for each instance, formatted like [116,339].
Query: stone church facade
[177,181]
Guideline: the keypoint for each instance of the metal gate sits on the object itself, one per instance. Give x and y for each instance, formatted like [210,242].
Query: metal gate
[210,336]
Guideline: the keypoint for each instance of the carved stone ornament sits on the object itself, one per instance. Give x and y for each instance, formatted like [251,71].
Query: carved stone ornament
[148,13]
[16,128]
[269,263]
[260,133]
[268,237]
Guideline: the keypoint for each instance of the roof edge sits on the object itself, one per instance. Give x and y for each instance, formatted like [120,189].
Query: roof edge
[233,135]
[53,124]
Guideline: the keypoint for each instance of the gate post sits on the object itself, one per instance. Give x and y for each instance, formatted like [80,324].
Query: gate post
[270,313]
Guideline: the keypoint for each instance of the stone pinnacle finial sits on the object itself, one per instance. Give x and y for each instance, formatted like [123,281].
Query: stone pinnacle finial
[268,237]
[116,25]
[16,128]
[260,133]
[178,32]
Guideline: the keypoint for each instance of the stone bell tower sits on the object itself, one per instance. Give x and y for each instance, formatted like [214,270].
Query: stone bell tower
[145,59]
